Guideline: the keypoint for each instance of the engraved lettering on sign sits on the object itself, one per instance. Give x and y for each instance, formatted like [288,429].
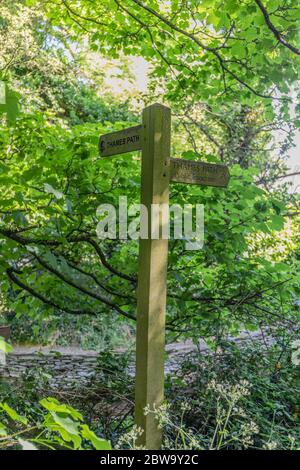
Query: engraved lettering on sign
[191,172]
[119,142]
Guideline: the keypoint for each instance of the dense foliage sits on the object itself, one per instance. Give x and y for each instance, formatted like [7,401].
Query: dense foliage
[54,181]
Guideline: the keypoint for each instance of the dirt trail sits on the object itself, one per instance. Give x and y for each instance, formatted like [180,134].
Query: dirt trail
[173,349]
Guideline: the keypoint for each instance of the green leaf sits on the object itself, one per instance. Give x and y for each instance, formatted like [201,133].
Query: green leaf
[9,103]
[51,404]
[238,50]
[13,414]
[98,443]
[251,33]
[5,347]
[65,426]
[277,222]
[3,431]
[66,423]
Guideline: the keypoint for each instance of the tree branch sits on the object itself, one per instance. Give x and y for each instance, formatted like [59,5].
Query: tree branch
[98,282]
[84,238]
[213,50]
[82,289]
[11,274]
[102,257]
[92,20]
[275,31]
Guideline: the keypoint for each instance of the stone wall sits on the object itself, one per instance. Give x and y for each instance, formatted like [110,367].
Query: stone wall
[66,370]
[71,367]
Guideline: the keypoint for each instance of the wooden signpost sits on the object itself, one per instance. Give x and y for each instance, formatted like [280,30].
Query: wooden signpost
[153,137]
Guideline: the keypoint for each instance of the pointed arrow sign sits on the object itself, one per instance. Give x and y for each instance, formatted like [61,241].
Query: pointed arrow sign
[205,174]
[126,140]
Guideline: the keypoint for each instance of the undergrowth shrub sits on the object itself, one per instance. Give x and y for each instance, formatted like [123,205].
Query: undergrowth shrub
[242,397]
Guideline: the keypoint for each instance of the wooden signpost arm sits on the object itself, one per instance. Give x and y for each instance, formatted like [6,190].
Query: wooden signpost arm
[156,138]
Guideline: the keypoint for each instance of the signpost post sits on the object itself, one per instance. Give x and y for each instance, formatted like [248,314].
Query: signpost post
[153,258]
[153,137]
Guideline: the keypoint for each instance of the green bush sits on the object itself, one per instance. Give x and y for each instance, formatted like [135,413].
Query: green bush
[244,397]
